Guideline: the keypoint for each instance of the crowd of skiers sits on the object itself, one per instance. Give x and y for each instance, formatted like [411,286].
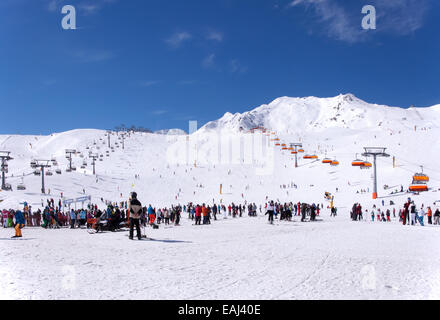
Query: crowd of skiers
[133,215]
[287,210]
[409,214]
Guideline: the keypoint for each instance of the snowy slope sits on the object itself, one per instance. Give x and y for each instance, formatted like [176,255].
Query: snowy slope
[172,167]
[242,258]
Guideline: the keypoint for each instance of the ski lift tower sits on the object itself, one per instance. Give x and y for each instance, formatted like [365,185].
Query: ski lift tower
[296,146]
[94,157]
[41,164]
[108,136]
[69,153]
[375,152]
[123,140]
[5,157]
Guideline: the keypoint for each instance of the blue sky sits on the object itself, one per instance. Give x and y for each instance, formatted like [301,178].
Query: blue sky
[159,64]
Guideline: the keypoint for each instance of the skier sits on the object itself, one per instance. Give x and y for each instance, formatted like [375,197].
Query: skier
[198,215]
[5,214]
[421,215]
[373,212]
[270,212]
[19,223]
[413,213]
[429,214]
[436,216]
[135,208]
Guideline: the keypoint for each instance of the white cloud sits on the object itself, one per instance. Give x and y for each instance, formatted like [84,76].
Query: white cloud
[401,17]
[53,5]
[236,67]
[209,61]
[398,17]
[215,36]
[177,39]
[339,24]
[86,8]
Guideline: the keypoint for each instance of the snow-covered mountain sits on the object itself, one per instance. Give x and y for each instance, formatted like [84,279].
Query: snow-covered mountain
[318,114]
[171,132]
[178,168]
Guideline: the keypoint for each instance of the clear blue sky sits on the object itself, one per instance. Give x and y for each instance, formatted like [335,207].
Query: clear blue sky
[160,63]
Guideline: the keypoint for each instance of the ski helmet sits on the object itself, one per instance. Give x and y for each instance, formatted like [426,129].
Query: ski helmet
[133,195]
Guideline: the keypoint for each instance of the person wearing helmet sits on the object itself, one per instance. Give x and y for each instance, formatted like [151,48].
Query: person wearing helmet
[135,209]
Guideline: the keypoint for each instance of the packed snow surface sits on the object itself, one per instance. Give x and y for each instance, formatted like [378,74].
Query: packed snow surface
[242,258]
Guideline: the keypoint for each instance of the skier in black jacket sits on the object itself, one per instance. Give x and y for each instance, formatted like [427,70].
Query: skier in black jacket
[135,209]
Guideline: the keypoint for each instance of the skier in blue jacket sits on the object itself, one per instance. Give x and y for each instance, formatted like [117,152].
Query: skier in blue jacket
[19,223]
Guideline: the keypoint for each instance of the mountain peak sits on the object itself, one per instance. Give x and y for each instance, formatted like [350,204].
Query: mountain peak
[304,114]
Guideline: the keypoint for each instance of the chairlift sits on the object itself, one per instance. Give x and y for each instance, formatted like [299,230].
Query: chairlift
[418,187]
[419,182]
[37,172]
[49,173]
[327,161]
[334,163]
[58,171]
[357,162]
[366,165]
[421,176]
[7,187]
[21,186]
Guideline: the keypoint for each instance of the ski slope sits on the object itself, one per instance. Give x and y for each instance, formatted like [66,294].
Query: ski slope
[247,165]
[242,258]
